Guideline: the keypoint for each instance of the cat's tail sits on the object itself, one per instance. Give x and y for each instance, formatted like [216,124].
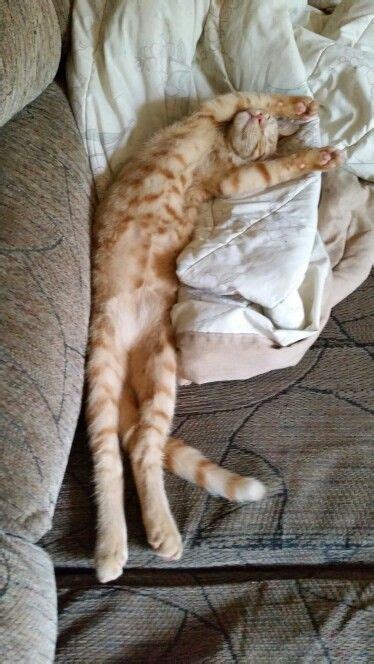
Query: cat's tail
[188,463]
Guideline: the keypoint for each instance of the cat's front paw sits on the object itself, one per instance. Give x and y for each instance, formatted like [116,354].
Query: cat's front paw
[325,159]
[110,558]
[298,108]
[330,157]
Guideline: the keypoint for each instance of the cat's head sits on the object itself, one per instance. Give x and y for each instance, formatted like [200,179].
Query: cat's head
[254,134]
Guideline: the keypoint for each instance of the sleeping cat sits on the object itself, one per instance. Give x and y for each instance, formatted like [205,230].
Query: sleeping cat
[143,222]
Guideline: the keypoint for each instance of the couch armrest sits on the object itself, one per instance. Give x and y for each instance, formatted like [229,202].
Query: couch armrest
[30,50]
[45,203]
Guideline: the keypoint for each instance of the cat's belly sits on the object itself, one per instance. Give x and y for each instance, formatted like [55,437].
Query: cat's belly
[134,314]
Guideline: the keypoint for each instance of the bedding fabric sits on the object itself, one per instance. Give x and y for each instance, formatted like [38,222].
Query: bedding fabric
[256,279]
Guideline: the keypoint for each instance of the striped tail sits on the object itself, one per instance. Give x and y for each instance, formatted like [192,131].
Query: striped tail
[188,463]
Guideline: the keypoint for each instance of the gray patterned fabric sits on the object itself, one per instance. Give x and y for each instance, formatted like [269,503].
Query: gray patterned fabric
[305,431]
[195,618]
[30,49]
[28,610]
[63,10]
[45,209]
[45,190]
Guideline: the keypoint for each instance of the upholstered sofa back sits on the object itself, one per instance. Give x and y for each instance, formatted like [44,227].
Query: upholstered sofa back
[31,38]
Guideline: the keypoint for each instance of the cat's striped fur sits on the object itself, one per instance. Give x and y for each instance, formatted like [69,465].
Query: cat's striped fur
[142,224]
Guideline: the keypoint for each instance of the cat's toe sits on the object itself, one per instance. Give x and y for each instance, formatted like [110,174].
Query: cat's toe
[338,157]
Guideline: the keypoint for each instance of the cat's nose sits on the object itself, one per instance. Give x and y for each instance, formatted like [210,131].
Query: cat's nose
[260,117]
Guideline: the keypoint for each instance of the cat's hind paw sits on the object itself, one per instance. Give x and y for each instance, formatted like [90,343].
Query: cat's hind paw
[165,539]
[110,560]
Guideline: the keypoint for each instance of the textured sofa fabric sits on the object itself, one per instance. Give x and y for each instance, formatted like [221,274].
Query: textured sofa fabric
[305,431]
[202,618]
[28,606]
[45,193]
[63,10]
[30,49]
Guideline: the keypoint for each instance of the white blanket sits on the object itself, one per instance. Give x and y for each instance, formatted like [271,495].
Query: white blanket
[256,265]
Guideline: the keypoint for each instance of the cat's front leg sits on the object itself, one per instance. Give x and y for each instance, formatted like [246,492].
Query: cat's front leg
[224,107]
[256,177]
[291,107]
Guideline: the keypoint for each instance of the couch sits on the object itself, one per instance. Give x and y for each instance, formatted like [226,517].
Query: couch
[287,580]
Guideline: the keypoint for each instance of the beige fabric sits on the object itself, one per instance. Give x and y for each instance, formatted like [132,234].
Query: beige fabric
[346,224]
[30,49]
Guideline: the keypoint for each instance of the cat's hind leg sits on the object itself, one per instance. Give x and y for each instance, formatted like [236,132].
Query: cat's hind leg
[153,378]
[106,369]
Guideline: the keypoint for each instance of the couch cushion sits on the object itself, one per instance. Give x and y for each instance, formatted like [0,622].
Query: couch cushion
[30,49]
[306,431]
[63,10]
[28,611]
[45,211]
[186,617]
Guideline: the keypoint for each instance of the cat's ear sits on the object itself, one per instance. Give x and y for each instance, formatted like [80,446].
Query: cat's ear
[287,127]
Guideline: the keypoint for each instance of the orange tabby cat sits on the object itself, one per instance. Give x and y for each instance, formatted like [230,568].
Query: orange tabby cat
[144,221]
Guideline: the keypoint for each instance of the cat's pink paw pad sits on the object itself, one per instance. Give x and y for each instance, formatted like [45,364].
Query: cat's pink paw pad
[306,108]
[300,108]
[330,158]
[324,157]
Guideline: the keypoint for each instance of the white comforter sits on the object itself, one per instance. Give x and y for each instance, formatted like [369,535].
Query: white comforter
[256,265]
